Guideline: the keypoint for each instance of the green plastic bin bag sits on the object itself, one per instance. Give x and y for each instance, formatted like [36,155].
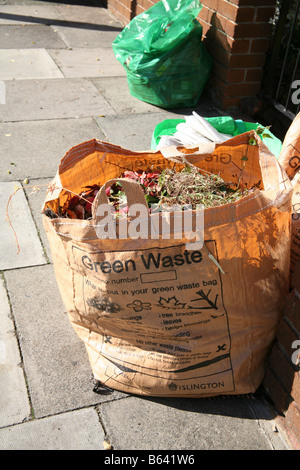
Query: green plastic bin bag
[163,54]
[223,124]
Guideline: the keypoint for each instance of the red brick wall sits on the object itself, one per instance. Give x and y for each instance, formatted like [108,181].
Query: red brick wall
[236,33]
[282,380]
[121,9]
[125,10]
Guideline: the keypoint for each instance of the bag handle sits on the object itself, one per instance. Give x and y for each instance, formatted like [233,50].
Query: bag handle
[132,190]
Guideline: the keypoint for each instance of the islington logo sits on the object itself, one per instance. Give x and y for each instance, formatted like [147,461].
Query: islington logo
[196,386]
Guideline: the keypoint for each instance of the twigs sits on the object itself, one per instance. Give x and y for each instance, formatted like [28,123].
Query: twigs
[35,188]
[188,187]
[8,218]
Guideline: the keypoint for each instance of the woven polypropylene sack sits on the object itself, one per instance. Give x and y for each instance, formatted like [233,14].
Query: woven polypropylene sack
[163,317]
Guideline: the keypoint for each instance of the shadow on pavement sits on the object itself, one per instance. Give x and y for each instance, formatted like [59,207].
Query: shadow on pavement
[250,406]
[55,22]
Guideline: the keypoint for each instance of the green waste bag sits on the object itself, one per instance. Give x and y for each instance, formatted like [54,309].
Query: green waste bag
[163,54]
[223,124]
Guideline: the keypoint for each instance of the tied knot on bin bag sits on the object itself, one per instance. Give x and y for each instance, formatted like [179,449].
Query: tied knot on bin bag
[158,317]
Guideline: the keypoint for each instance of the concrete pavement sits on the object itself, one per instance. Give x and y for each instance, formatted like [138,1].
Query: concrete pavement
[61,85]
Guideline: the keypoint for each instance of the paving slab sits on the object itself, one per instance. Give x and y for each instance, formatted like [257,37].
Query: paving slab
[70,16]
[116,92]
[22,2]
[32,100]
[36,197]
[93,62]
[33,149]
[41,120]
[132,131]
[18,64]
[28,14]
[77,430]
[17,231]
[58,372]
[29,36]
[88,14]
[135,423]
[87,36]
[14,402]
